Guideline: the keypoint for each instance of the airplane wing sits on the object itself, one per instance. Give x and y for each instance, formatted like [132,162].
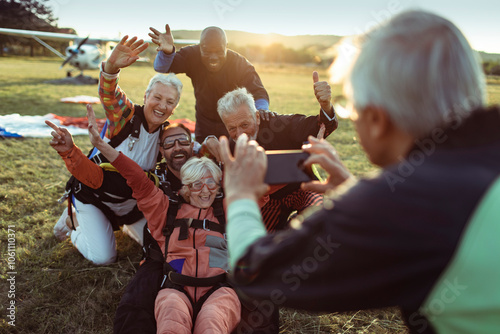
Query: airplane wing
[41,34]
[70,37]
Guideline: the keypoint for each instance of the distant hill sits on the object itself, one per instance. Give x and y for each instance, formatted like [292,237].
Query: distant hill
[241,38]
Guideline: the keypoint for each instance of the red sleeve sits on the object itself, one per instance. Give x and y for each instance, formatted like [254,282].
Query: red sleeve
[151,200]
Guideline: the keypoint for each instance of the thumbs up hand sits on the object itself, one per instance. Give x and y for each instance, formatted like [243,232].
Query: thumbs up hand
[323,92]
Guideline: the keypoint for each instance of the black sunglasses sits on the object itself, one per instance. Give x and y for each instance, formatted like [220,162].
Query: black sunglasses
[169,142]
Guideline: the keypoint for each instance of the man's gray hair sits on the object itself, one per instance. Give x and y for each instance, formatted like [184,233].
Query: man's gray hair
[195,168]
[421,69]
[232,100]
[169,80]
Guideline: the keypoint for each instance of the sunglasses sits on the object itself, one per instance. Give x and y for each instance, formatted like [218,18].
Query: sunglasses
[198,185]
[169,142]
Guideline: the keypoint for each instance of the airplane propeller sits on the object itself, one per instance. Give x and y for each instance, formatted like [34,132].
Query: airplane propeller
[75,51]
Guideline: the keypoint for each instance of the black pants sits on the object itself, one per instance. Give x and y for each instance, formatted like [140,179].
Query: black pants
[258,318]
[135,312]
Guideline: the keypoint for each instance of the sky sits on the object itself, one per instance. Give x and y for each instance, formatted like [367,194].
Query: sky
[479,19]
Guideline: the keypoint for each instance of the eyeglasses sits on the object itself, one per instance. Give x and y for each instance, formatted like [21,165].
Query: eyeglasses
[198,185]
[169,142]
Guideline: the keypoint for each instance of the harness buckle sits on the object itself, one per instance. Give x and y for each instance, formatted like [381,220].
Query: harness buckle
[64,196]
[205,225]
[97,159]
[132,141]
[163,282]
[78,188]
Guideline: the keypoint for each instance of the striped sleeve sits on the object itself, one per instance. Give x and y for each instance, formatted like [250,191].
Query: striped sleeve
[302,199]
[118,108]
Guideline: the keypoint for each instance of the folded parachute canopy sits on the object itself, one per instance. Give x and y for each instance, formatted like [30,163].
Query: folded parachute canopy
[17,126]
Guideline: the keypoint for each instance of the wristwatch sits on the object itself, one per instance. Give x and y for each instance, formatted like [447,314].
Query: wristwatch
[209,136]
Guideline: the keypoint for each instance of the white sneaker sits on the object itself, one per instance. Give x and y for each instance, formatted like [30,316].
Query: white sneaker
[61,230]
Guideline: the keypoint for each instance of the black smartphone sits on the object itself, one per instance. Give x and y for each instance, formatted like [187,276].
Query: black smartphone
[287,166]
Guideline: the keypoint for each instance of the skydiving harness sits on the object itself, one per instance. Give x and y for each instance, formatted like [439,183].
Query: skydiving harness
[173,279]
[96,197]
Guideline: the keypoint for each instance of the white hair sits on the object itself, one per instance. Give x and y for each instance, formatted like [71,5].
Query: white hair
[421,69]
[169,80]
[230,102]
[195,168]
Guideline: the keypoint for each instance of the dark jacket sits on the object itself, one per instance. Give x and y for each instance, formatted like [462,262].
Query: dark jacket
[396,239]
[209,87]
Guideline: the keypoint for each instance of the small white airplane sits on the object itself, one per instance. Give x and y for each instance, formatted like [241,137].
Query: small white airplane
[82,53]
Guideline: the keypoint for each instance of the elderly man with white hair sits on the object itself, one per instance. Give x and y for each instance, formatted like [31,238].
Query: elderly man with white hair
[282,132]
[420,235]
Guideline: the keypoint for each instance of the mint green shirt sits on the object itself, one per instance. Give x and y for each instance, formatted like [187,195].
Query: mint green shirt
[244,226]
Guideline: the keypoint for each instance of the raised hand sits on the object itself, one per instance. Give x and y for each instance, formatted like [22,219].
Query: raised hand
[165,41]
[322,153]
[244,173]
[109,152]
[321,132]
[213,147]
[124,54]
[323,93]
[267,114]
[94,136]
[61,138]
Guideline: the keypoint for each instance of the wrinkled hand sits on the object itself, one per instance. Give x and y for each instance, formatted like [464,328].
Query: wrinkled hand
[61,138]
[267,114]
[323,93]
[321,132]
[244,173]
[124,54]
[213,146]
[165,41]
[322,153]
[94,136]
[109,152]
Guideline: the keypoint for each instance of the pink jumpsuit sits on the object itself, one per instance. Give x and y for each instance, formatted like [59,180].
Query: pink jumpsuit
[202,254]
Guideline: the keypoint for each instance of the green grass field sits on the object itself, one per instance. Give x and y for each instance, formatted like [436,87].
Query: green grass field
[56,289]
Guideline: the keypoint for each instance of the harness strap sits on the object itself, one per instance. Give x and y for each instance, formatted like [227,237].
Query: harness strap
[70,215]
[204,224]
[184,229]
[169,226]
[154,254]
[218,208]
[198,305]
[132,129]
[180,279]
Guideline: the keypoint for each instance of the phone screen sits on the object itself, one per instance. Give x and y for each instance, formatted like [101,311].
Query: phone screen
[286,166]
